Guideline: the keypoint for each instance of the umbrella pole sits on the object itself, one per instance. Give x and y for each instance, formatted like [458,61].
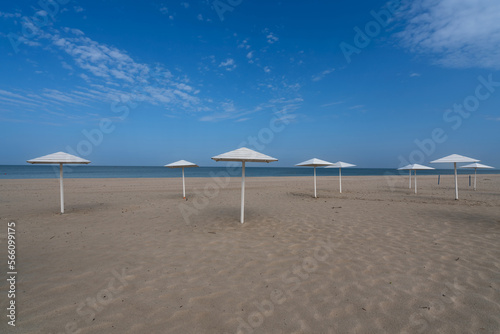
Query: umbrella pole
[315,182]
[409,186]
[183,185]
[475,170]
[242,192]
[415,171]
[61,186]
[340,179]
[456,181]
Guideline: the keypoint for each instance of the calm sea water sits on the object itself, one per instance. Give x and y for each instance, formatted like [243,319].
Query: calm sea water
[84,171]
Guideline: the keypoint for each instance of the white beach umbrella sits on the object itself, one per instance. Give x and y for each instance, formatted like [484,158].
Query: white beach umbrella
[409,169]
[414,168]
[475,166]
[59,158]
[340,165]
[182,164]
[314,163]
[244,155]
[454,158]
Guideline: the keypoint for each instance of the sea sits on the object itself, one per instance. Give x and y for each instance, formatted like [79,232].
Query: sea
[88,171]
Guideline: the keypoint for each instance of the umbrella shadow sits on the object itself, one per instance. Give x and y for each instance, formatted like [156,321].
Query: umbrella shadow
[305,195]
[174,196]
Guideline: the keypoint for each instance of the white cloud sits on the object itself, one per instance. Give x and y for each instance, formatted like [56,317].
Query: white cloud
[496,119]
[27,41]
[60,96]
[9,15]
[17,99]
[283,100]
[414,74]
[228,64]
[271,38]
[227,110]
[455,33]
[103,73]
[331,104]
[250,55]
[121,75]
[267,69]
[51,99]
[290,118]
[282,108]
[184,87]
[77,32]
[321,75]
[185,4]
[164,10]
[244,44]
[200,17]
[101,60]
[78,9]
[111,73]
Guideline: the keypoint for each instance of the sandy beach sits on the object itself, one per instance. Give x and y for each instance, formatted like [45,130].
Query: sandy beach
[131,256]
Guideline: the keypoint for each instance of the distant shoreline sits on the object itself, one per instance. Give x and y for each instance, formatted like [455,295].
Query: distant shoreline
[131,172]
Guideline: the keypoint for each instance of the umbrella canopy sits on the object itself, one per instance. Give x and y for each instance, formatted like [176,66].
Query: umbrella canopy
[244,155]
[414,167]
[340,165]
[59,158]
[182,164]
[454,158]
[314,163]
[476,166]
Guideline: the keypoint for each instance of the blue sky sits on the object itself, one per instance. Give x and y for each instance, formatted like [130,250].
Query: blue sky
[147,83]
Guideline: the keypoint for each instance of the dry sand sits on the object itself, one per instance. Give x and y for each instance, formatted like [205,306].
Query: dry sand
[123,258]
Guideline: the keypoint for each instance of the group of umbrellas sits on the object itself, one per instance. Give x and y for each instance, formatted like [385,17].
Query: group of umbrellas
[322,163]
[244,155]
[453,158]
